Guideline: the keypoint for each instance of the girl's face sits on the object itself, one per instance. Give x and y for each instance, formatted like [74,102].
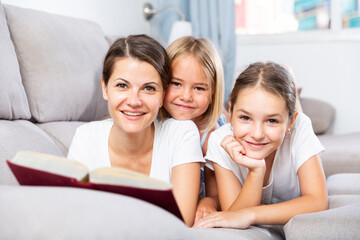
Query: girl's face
[134,94]
[188,95]
[260,120]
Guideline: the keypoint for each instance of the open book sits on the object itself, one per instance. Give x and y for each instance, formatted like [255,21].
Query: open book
[31,168]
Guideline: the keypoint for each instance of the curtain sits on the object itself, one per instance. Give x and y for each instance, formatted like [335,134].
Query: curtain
[211,19]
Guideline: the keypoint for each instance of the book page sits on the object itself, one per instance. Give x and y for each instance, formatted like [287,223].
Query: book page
[53,164]
[125,177]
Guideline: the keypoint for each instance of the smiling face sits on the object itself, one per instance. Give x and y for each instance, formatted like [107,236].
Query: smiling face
[134,93]
[188,95]
[260,120]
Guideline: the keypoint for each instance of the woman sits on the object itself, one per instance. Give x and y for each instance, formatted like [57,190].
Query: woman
[135,75]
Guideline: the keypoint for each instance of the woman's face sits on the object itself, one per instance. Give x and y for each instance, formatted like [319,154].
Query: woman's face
[134,94]
[260,120]
[189,94]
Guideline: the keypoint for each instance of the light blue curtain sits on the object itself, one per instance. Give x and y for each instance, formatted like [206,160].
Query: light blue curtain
[162,22]
[212,19]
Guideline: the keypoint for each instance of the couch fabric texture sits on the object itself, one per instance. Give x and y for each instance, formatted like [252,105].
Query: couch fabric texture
[71,58]
[13,101]
[50,71]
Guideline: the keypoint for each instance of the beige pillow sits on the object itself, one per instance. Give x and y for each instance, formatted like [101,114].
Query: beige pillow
[61,64]
[13,101]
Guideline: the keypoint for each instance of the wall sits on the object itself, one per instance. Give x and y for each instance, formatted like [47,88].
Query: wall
[116,17]
[326,66]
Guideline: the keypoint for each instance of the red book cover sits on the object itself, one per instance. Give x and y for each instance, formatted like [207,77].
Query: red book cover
[34,177]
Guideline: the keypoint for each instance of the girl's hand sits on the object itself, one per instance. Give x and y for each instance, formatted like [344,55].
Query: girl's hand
[237,153]
[242,220]
[205,207]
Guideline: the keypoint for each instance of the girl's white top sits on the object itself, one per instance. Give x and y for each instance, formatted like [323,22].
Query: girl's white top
[297,147]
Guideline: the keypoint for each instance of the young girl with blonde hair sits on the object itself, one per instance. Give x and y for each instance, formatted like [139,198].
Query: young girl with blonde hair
[196,92]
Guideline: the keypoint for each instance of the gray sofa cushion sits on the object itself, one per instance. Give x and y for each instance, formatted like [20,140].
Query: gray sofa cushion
[61,133]
[61,63]
[344,184]
[341,221]
[70,213]
[13,101]
[322,114]
[21,135]
[342,153]
[254,232]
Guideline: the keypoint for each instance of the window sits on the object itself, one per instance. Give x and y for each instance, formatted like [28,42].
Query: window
[282,16]
[350,13]
[312,14]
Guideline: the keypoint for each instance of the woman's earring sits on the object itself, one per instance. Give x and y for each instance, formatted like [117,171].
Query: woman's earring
[231,127]
[289,131]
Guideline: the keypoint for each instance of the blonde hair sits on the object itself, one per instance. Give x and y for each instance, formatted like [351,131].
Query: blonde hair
[205,53]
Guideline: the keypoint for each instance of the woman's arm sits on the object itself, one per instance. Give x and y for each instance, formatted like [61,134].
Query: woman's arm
[313,198]
[186,184]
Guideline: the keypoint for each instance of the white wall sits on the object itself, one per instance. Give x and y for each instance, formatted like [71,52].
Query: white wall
[116,17]
[327,67]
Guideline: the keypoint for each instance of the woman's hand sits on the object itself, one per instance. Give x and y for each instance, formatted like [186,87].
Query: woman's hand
[237,153]
[241,219]
[205,207]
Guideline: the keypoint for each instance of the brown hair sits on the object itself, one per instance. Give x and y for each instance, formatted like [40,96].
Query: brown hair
[271,77]
[205,53]
[143,48]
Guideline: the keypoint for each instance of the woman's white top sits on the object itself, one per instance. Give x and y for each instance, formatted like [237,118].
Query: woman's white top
[297,147]
[175,142]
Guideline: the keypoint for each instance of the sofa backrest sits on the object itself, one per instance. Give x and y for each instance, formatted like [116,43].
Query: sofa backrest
[60,61]
[13,100]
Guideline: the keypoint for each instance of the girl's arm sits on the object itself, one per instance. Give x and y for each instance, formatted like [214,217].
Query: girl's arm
[210,203]
[313,198]
[232,195]
[228,186]
[186,184]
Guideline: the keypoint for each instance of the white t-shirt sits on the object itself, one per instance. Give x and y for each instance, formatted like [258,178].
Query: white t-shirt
[175,142]
[297,147]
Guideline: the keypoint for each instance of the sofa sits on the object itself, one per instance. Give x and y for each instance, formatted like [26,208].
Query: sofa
[50,71]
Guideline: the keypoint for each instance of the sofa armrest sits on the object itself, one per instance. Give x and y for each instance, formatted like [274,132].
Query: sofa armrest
[341,221]
[343,184]
[342,153]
